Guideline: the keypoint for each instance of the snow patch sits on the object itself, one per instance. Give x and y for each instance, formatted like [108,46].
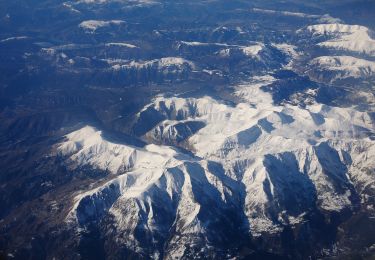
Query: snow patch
[93,25]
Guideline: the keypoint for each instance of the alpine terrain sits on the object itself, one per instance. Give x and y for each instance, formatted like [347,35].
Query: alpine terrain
[147,129]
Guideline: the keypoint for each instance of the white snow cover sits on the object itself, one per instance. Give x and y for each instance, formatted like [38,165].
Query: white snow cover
[354,38]
[16,38]
[151,171]
[70,8]
[93,25]
[136,3]
[171,61]
[286,13]
[204,44]
[259,144]
[290,51]
[121,44]
[347,66]
[252,50]
[325,18]
[87,146]
[163,63]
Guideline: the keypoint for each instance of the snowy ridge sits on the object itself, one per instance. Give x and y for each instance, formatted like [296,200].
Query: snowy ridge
[161,184]
[121,44]
[195,44]
[226,50]
[286,13]
[326,18]
[136,2]
[87,146]
[286,120]
[345,66]
[93,25]
[290,51]
[16,38]
[163,63]
[249,51]
[252,50]
[346,37]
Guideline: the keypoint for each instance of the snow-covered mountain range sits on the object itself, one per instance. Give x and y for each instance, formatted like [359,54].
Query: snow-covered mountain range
[142,129]
[268,165]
